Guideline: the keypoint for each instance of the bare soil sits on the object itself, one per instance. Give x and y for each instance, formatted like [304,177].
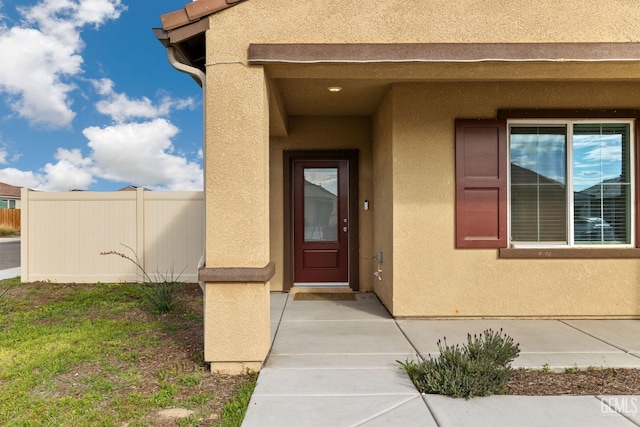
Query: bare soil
[604,381]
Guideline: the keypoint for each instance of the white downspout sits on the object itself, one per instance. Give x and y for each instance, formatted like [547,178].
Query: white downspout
[201,77]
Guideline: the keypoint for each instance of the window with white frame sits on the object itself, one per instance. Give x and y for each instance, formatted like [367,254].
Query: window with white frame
[571,182]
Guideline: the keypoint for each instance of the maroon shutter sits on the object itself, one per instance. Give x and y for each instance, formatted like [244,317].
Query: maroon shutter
[481,183]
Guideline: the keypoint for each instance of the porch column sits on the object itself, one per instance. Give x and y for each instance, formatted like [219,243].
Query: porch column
[238,266]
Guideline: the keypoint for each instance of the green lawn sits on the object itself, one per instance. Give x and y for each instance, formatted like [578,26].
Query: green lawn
[87,355]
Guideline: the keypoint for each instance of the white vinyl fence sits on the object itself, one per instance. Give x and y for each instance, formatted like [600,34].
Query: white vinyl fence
[63,235]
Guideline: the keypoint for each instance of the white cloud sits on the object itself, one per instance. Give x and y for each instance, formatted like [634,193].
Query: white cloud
[121,108]
[134,153]
[42,56]
[72,172]
[141,153]
[20,178]
[138,153]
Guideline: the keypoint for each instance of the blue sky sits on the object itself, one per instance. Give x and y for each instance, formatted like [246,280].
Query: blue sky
[596,157]
[88,99]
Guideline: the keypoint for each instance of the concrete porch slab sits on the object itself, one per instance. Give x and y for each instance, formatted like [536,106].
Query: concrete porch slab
[366,307]
[340,337]
[332,382]
[334,411]
[622,334]
[523,411]
[628,406]
[538,336]
[334,364]
[412,413]
[339,361]
[278,302]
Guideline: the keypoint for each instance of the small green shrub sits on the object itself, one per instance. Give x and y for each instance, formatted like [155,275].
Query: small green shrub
[159,291]
[572,370]
[482,367]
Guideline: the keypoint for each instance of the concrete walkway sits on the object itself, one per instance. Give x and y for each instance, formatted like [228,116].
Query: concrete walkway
[10,273]
[9,259]
[333,363]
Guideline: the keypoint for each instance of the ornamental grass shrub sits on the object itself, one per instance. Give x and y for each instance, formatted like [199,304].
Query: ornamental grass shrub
[9,231]
[160,291]
[481,367]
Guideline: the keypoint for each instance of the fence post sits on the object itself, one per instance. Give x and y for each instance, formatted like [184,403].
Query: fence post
[24,235]
[140,243]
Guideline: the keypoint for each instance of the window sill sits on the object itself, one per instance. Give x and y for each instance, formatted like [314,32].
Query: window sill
[556,253]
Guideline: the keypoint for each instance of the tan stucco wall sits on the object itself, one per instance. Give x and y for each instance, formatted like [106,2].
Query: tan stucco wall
[236,316]
[392,21]
[323,133]
[430,277]
[236,162]
[236,326]
[413,130]
[382,204]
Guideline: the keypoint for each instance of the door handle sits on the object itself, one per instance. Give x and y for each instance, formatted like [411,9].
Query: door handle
[345,229]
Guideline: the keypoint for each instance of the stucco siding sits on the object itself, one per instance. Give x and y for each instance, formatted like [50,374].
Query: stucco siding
[362,21]
[431,278]
[401,116]
[236,159]
[383,200]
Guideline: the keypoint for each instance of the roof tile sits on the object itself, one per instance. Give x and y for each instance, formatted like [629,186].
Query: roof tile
[174,19]
[198,9]
[194,11]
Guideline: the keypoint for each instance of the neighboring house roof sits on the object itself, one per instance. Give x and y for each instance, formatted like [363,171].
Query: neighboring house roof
[315,190]
[522,175]
[607,189]
[10,191]
[132,188]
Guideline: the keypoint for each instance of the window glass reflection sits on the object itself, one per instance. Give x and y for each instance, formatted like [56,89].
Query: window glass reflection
[601,182]
[320,204]
[538,184]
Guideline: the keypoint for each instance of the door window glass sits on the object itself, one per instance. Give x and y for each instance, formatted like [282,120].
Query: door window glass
[320,204]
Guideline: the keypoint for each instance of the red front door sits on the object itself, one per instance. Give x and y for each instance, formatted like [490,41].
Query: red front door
[321,221]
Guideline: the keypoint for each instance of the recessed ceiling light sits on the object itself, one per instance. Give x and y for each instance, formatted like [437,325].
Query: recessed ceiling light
[334,89]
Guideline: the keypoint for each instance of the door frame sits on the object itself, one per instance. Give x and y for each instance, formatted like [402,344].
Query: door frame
[352,156]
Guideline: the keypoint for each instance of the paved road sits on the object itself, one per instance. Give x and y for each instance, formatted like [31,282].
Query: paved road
[9,255]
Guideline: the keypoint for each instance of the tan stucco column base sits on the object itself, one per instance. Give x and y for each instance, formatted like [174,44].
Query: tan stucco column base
[236,326]
[235,368]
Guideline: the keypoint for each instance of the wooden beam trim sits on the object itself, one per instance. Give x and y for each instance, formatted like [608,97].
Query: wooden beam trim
[568,114]
[237,274]
[186,32]
[568,253]
[442,52]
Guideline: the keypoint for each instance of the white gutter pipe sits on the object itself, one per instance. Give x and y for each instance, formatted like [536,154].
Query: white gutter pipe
[201,77]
